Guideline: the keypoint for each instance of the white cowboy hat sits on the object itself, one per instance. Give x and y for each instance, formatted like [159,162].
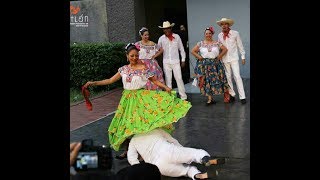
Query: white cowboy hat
[166,24]
[225,20]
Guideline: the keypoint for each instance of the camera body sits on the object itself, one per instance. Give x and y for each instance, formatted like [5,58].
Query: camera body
[92,157]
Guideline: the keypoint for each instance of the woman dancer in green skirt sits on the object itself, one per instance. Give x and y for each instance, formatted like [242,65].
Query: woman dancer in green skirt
[141,110]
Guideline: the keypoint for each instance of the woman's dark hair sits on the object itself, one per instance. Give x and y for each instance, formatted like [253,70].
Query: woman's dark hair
[210,29]
[129,47]
[142,30]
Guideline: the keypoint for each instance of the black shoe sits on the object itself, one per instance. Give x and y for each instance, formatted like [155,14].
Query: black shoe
[243,101]
[209,175]
[232,99]
[206,160]
[211,102]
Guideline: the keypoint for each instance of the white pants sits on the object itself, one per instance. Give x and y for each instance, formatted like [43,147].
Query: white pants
[233,67]
[177,76]
[175,160]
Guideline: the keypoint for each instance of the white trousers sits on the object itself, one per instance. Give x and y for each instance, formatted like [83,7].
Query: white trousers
[167,68]
[174,160]
[233,68]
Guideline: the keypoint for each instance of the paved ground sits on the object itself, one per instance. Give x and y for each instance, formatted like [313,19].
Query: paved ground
[221,129]
[102,106]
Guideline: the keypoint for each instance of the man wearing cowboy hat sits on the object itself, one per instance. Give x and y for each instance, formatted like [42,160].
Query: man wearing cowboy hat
[231,39]
[170,44]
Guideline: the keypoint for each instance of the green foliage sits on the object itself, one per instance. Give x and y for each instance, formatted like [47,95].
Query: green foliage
[95,61]
[75,96]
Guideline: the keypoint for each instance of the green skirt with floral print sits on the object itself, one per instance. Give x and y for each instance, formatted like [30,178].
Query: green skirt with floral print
[141,111]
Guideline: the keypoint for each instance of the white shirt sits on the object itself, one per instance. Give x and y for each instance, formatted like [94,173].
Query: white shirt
[232,43]
[171,49]
[134,79]
[151,146]
[209,50]
[146,51]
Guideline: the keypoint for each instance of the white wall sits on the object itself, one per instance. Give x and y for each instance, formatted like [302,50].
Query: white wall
[203,13]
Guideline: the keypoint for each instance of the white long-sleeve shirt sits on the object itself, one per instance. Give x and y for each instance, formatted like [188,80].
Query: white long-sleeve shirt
[151,146]
[161,149]
[232,43]
[171,49]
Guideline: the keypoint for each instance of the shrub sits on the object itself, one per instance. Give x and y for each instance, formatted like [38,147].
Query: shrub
[95,61]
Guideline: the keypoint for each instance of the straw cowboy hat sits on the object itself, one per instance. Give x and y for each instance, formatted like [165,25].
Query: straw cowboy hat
[225,20]
[166,24]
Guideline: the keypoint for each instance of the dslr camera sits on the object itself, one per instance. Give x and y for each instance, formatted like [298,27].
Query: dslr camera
[92,157]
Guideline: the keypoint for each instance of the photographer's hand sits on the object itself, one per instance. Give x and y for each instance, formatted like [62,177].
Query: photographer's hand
[74,150]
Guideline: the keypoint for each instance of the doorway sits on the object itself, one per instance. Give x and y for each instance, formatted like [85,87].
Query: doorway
[174,12]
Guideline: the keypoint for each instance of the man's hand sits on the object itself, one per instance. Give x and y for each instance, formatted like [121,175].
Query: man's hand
[183,64]
[74,150]
[243,61]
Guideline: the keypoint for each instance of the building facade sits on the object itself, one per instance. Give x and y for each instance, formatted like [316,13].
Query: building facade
[120,21]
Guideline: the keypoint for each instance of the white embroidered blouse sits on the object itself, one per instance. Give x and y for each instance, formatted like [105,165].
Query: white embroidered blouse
[209,50]
[134,79]
[146,51]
